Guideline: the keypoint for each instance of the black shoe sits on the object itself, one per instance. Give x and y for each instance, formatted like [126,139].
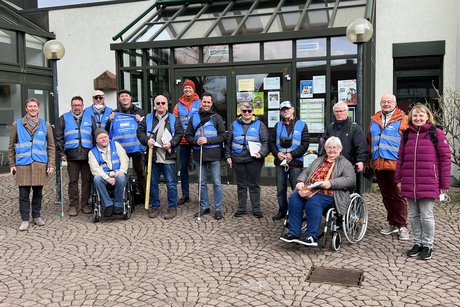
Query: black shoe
[414,251]
[290,238]
[203,212]
[309,241]
[183,200]
[240,213]
[118,210]
[108,211]
[279,216]
[425,253]
[218,215]
[257,214]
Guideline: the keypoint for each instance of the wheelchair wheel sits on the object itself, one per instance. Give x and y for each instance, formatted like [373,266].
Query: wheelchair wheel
[336,241]
[356,219]
[127,204]
[96,207]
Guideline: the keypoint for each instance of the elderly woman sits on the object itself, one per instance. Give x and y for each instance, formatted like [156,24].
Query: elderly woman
[326,180]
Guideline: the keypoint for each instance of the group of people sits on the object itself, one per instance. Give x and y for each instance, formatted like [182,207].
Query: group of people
[411,160]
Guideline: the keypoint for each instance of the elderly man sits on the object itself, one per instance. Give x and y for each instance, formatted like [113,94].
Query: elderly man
[189,104]
[99,110]
[162,132]
[109,165]
[288,142]
[74,139]
[206,132]
[385,131]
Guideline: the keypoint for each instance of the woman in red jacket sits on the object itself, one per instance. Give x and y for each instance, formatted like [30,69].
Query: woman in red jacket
[422,173]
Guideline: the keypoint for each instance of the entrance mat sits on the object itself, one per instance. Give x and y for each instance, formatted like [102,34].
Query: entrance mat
[335,276]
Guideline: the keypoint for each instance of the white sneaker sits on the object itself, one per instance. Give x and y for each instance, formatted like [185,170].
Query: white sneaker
[389,230]
[39,221]
[24,226]
[403,234]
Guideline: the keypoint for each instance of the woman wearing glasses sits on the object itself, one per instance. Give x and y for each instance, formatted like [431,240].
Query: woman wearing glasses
[247,146]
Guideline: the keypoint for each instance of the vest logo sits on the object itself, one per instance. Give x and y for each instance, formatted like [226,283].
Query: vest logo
[252,129]
[40,132]
[390,127]
[124,125]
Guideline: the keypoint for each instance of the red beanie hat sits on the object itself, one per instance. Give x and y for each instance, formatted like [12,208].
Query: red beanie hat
[189,83]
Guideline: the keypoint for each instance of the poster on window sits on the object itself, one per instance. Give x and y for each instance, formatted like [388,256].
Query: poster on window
[312,113]
[272,83]
[306,88]
[258,103]
[246,85]
[273,100]
[347,91]
[273,118]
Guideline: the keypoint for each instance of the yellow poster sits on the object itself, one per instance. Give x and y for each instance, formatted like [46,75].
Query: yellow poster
[246,85]
[258,103]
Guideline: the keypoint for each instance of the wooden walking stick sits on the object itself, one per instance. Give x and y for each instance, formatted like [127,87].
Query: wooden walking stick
[149,178]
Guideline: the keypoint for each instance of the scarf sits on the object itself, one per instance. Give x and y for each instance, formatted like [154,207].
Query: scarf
[33,122]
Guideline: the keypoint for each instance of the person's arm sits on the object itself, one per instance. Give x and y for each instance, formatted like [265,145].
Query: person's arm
[95,168]
[263,137]
[228,143]
[344,177]
[59,129]
[272,142]
[142,132]
[443,154]
[190,132]
[178,133]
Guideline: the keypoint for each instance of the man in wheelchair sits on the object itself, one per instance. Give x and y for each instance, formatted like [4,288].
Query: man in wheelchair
[109,165]
[327,180]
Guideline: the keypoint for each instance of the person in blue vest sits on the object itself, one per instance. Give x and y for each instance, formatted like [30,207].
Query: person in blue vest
[99,110]
[288,143]
[247,161]
[162,132]
[206,132]
[109,165]
[74,139]
[122,127]
[31,157]
[189,104]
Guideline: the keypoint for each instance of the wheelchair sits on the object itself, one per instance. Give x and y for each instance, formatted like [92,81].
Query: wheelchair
[353,223]
[128,200]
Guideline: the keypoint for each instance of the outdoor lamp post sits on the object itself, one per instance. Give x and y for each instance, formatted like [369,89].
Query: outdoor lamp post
[359,32]
[54,51]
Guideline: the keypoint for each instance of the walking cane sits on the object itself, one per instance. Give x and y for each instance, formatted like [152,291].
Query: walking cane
[199,177]
[149,178]
[62,196]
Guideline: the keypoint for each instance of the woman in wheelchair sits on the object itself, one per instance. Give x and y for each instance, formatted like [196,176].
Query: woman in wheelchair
[109,165]
[327,180]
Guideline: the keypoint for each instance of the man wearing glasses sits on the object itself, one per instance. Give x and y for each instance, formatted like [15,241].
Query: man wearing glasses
[162,132]
[288,143]
[99,110]
[385,131]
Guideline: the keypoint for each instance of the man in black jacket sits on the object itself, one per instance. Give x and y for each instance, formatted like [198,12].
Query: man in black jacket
[206,132]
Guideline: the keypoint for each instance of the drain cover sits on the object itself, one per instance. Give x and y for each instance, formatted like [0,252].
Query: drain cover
[335,276]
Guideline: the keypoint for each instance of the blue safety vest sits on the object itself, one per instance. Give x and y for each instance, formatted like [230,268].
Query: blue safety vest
[209,130]
[102,118]
[31,148]
[185,115]
[296,135]
[74,136]
[124,130]
[148,120]
[115,159]
[240,139]
[385,143]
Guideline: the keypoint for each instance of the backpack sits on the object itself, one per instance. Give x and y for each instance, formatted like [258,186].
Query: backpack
[431,133]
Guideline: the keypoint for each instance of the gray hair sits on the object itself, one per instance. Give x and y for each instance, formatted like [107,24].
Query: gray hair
[31,99]
[333,140]
[340,104]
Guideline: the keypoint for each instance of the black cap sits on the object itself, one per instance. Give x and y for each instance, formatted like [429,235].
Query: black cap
[125,91]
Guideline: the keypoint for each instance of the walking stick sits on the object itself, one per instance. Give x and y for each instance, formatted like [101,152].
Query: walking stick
[149,178]
[62,196]
[199,176]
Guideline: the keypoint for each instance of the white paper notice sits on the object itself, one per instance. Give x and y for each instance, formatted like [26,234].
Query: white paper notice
[254,147]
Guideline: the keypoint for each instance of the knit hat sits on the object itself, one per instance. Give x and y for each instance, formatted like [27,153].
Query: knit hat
[99,131]
[189,83]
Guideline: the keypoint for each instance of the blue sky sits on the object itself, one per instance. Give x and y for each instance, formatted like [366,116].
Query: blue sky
[48,3]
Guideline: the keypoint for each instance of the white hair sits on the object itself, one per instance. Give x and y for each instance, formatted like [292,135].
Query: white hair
[333,140]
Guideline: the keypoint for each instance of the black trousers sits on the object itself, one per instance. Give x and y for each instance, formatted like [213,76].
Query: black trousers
[248,178]
[138,166]
[24,201]
[75,168]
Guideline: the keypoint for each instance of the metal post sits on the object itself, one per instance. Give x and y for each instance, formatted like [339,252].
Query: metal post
[59,196]
[360,106]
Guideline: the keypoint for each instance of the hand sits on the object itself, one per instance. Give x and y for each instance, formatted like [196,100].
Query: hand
[139,118]
[50,170]
[167,146]
[288,157]
[299,186]
[444,191]
[111,181]
[150,143]
[326,185]
[202,140]
[398,185]
[116,173]
[281,156]
[112,115]
[229,162]
[63,158]
[258,155]
[303,193]
[13,170]
[359,167]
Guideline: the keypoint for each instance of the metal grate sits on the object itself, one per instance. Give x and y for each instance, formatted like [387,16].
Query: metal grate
[335,276]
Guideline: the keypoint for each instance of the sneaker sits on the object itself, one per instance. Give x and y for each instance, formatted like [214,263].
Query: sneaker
[257,214]
[24,226]
[170,214]
[108,211]
[290,238]
[414,251]
[203,212]
[118,210]
[183,200]
[86,209]
[309,241]
[73,211]
[39,221]
[403,234]
[218,215]
[425,253]
[239,213]
[154,212]
[389,230]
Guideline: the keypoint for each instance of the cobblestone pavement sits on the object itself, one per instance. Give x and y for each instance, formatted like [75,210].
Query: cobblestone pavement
[232,262]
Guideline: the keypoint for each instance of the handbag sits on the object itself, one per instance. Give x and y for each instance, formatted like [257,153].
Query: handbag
[309,192]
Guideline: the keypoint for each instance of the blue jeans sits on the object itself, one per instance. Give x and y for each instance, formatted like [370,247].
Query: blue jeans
[214,167]
[282,177]
[185,152]
[101,188]
[313,209]
[421,217]
[168,171]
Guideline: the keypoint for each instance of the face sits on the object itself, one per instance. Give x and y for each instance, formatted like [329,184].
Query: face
[32,109]
[188,91]
[287,112]
[76,106]
[161,104]
[387,103]
[98,100]
[206,103]
[102,140]
[333,151]
[247,114]
[419,118]
[341,113]
[125,100]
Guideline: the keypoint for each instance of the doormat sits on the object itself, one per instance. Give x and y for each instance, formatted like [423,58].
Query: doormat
[335,276]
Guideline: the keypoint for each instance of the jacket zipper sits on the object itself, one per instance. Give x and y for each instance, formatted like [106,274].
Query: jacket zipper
[415,164]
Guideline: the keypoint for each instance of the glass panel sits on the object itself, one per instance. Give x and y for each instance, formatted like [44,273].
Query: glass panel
[285,22]
[11,107]
[216,54]
[191,11]
[188,55]
[316,19]
[278,50]
[43,97]
[158,56]
[341,46]
[151,31]
[311,47]
[132,80]
[171,31]
[346,15]
[34,50]
[158,85]
[255,24]
[132,58]
[198,29]
[416,88]
[293,6]
[343,72]
[246,52]
[8,47]
[239,8]
[225,27]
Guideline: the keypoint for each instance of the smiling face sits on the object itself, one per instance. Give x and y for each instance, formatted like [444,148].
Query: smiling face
[125,100]
[102,140]
[188,91]
[419,118]
[387,103]
[287,113]
[76,106]
[246,114]
[161,105]
[32,109]
[98,100]
[206,103]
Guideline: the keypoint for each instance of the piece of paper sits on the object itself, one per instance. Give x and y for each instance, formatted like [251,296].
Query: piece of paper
[284,163]
[315,185]
[156,144]
[166,137]
[254,147]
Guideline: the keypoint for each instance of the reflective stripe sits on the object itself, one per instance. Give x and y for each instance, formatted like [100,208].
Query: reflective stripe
[72,132]
[239,137]
[129,144]
[23,145]
[67,133]
[39,142]
[29,148]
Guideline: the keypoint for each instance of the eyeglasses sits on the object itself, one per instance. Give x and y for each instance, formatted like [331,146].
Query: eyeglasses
[160,102]
[98,97]
[246,111]
[340,111]
[386,101]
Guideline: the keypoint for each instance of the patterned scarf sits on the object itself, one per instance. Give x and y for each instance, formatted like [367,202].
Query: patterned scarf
[33,122]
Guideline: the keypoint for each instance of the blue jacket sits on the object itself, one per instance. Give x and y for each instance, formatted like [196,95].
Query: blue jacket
[385,142]
[114,157]
[102,119]
[31,148]
[296,135]
[123,129]
[240,139]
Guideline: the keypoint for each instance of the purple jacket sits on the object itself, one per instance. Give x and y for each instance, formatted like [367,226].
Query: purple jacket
[421,169]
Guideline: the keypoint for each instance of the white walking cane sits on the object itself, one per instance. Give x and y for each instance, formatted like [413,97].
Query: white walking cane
[199,178]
